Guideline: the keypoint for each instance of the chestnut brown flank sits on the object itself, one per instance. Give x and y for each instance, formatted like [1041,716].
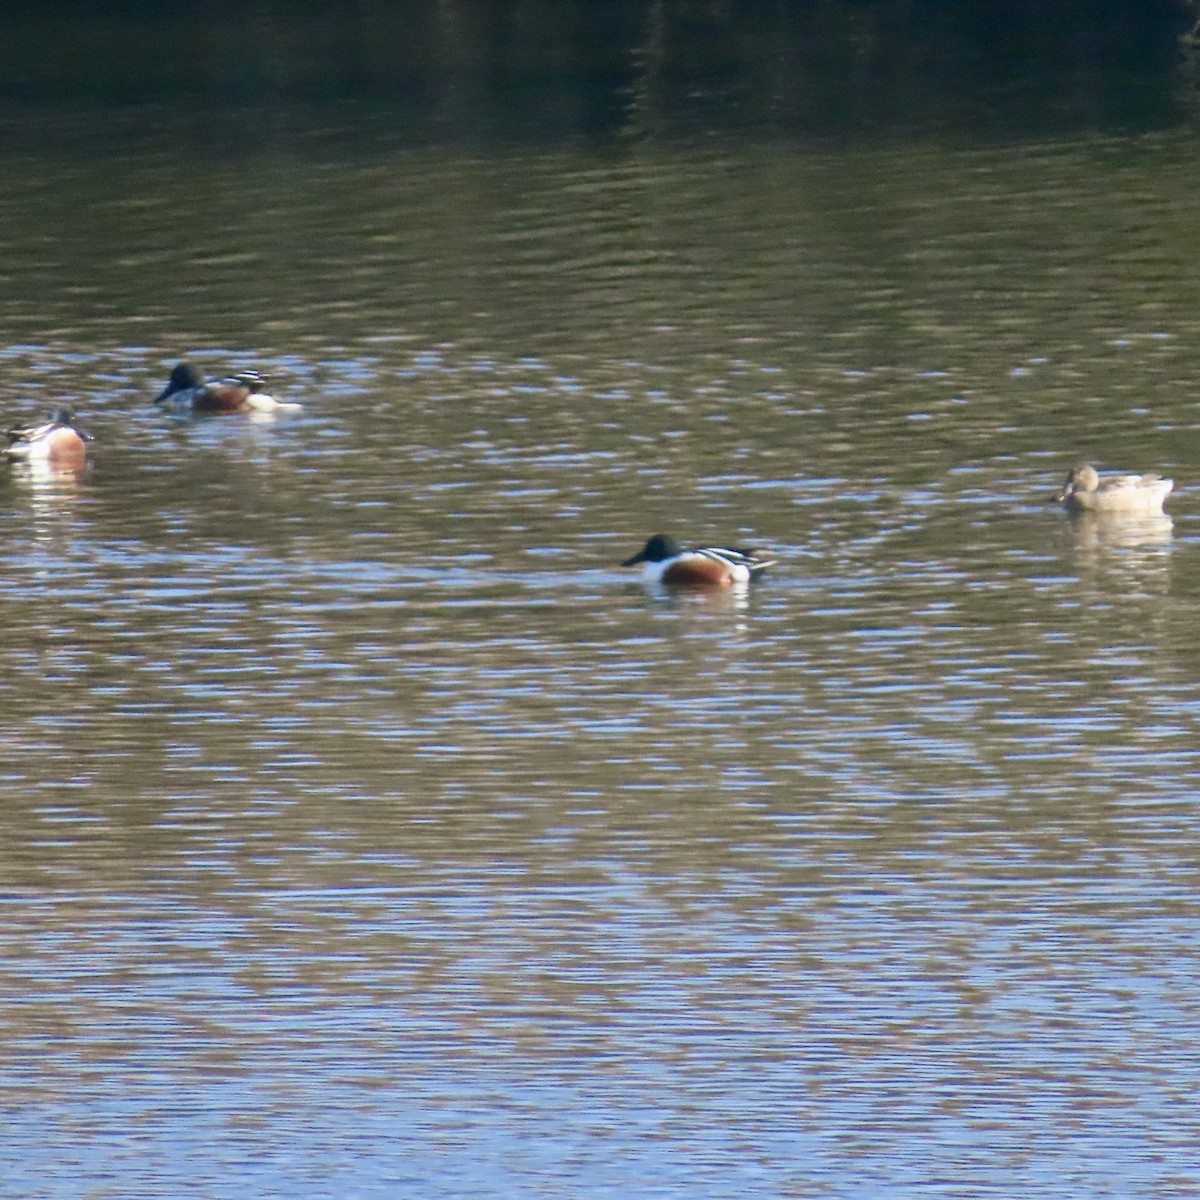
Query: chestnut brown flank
[696,571]
[222,397]
[65,446]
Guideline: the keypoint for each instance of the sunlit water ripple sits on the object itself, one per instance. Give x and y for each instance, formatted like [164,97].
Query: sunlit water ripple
[369,831]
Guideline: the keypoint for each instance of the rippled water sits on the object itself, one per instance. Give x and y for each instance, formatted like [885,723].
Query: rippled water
[368,831]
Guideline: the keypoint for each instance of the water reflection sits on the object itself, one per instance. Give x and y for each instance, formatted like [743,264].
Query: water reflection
[734,598]
[1092,530]
[46,480]
[47,505]
[1123,556]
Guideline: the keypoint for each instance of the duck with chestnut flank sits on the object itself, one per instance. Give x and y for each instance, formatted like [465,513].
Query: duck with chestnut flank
[57,443]
[667,563]
[188,392]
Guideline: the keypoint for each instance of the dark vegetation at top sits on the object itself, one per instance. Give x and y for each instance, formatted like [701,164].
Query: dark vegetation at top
[602,67]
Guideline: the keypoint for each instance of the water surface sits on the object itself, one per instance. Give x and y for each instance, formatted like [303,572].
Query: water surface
[368,831]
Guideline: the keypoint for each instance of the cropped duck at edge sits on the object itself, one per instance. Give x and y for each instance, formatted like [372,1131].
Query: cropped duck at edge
[58,443]
[666,562]
[188,392]
[1114,495]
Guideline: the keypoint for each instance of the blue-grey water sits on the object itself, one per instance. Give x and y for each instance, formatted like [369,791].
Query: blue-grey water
[366,830]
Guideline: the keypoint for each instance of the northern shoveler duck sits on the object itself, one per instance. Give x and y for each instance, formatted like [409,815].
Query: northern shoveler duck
[58,443]
[187,392]
[1123,495]
[666,562]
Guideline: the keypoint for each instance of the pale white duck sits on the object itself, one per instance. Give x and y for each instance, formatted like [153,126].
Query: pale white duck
[1114,495]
